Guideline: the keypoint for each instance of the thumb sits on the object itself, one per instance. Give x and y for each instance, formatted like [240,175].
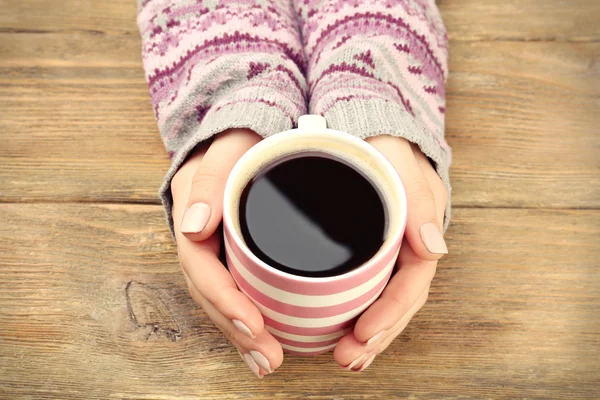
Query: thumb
[422,226]
[204,209]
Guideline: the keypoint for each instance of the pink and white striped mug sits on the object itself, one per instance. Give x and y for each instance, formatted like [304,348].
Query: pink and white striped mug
[309,315]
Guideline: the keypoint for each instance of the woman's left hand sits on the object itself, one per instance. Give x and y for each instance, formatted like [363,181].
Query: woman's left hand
[422,247]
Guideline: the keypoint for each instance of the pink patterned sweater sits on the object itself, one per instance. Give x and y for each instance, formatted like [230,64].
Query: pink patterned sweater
[370,67]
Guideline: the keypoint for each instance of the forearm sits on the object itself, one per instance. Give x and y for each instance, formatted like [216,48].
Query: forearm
[216,65]
[379,67]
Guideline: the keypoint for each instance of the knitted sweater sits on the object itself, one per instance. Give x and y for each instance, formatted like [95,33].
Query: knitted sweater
[370,67]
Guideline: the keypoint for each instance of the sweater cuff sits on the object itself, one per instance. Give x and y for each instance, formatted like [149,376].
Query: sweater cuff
[262,118]
[366,118]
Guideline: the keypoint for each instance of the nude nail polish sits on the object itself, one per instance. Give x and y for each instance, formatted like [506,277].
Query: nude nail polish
[356,362]
[243,328]
[366,364]
[261,360]
[433,239]
[375,338]
[253,365]
[195,218]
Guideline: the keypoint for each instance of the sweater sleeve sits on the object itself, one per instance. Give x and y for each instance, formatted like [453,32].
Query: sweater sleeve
[218,64]
[379,67]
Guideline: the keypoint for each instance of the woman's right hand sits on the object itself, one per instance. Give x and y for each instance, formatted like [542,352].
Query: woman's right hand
[198,188]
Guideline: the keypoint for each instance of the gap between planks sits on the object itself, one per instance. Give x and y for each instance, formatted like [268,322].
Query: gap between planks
[148,202]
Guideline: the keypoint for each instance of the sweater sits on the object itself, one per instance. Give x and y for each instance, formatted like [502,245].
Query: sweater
[370,67]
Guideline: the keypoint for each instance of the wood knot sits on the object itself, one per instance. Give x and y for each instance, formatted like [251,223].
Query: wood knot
[150,314]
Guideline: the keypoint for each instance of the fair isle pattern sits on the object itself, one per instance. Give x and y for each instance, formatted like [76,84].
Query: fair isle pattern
[215,64]
[379,67]
[374,67]
[307,319]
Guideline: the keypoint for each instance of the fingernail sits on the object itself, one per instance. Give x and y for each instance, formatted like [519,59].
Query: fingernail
[243,328]
[253,365]
[195,218]
[366,364]
[355,362]
[261,360]
[374,338]
[433,239]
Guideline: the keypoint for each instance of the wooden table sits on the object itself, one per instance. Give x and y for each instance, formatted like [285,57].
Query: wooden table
[92,302]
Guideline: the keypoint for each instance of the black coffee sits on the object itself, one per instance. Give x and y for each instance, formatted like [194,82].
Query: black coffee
[312,216]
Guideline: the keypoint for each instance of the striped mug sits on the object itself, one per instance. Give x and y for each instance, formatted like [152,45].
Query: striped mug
[309,315]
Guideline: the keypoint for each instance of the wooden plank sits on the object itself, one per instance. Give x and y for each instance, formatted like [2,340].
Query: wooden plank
[107,16]
[93,305]
[68,49]
[521,20]
[464,19]
[84,134]
[524,124]
[522,118]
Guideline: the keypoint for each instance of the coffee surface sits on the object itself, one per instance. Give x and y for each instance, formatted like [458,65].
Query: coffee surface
[312,216]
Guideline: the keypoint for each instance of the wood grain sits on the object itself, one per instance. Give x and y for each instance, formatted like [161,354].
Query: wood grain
[96,17]
[92,302]
[465,19]
[524,123]
[68,49]
[93,306]
[522,118]
[531,20]
[79,134]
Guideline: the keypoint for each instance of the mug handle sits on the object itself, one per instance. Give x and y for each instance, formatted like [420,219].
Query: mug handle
[312,122]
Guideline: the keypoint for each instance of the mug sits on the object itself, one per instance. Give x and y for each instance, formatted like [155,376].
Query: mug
[309,315]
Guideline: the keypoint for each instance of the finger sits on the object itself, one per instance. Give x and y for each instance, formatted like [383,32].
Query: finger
[251,350]
[201,264]
[180,184]
[422,226]
[401,293]
[204,209]
[352,354]
[349,352]
[226,329]
[263,354]
[382,343]
[440,193]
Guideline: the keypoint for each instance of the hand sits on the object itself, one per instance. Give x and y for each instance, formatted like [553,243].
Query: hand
[423,245]
[198,189]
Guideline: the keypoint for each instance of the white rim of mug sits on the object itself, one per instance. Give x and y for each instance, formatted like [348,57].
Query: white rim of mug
[384,163]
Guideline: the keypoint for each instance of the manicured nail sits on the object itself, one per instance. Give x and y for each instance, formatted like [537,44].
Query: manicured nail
[253,365]
[355,362]
[261,360]
[433,239]
[195,218]
[375,338]
[366,364]
[243,328]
